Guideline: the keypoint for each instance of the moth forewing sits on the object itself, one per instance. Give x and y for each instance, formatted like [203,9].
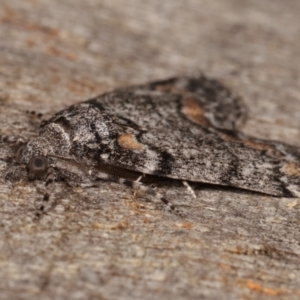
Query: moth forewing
[182,128]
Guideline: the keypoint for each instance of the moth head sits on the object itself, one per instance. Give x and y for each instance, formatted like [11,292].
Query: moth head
[31,156]
[38,165]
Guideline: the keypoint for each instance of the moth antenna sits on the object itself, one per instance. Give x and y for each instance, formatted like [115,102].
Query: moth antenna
[43,122]
[34,113]
[36,118]
[7,159]
[12,140]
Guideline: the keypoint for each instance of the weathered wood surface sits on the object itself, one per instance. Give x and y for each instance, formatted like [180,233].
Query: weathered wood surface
[99,243]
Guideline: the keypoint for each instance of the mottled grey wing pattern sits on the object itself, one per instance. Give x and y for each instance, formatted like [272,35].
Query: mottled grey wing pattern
[186,129]
[173,103]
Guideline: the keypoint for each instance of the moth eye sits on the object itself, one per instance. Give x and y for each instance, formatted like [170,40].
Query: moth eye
[19,153]
[38,165]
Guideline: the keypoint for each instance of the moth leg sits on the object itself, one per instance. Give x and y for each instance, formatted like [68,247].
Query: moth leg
[41,207]
[189,189]
[51,176]
[155,197]
[47,203]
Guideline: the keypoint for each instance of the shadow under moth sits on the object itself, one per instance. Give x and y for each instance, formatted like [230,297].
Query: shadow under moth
[182,128]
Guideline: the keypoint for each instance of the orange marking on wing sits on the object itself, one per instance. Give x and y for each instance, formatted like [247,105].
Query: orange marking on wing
[248,143]
[128,141]
[290,169]
[228,137]
[257,146]
[165,88]
[194,112]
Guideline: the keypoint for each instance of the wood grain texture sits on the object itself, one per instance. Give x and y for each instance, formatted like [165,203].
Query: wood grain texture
[101,243]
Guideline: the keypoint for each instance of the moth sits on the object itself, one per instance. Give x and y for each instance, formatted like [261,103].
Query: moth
[183,128]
